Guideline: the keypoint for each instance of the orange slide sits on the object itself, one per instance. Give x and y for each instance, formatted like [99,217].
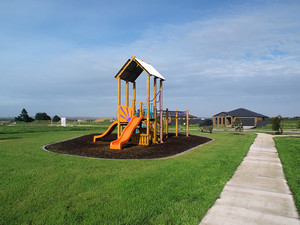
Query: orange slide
[126,134]
[107,132]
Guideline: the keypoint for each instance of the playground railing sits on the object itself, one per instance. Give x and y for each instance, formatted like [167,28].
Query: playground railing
[143,109]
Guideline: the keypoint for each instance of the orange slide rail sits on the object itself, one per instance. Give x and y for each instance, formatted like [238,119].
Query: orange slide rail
[126,134]
[107,132]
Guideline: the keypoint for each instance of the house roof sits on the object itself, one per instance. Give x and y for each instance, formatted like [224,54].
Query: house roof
[241,112]
[132,69]
[222,114]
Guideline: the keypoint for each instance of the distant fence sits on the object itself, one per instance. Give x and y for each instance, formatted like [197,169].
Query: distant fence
[209,122]
[206,122]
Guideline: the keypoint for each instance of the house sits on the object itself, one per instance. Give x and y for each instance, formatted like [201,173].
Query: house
[247,117]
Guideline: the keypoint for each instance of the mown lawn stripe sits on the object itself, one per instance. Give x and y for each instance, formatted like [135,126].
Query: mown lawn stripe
[43,188]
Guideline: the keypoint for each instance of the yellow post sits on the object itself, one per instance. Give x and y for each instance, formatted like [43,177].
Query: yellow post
[148,105]
[119,104]
[141,108]
[176,123]
[155,113]
[167,122]
[187,122]
[134,100]
[127,93]
[161,112]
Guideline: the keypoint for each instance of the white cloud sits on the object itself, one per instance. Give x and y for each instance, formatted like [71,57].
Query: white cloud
[223,60]
[252,51]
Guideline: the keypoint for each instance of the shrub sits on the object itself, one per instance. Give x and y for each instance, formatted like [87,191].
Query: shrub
[238,125]
[56,118]
[276,124]
[42,116]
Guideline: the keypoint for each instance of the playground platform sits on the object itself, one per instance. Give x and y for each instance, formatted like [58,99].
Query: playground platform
[257,193]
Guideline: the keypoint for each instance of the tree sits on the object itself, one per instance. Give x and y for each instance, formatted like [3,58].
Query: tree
[42,116]
[56,118]
[238,125]
[24,117]
[276,124]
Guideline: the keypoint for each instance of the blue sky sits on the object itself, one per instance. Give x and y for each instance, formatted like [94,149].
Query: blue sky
[61,57]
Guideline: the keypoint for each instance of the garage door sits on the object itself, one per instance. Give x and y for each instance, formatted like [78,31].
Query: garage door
[247,121]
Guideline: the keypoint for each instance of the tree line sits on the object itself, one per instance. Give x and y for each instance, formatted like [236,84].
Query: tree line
[24,117]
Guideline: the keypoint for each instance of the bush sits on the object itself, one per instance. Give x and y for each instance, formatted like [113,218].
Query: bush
[238,125]
[276,124]
[56,118]
[42,116]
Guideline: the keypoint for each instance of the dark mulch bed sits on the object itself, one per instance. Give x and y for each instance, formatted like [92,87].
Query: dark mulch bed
[84,146]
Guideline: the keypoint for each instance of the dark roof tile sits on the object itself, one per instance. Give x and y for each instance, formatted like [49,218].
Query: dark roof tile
[241,112]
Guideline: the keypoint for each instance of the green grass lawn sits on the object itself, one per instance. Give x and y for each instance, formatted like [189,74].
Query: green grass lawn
[42,127]
[288,125]
[289,153]
[292,124]
[40,187]
[221,128]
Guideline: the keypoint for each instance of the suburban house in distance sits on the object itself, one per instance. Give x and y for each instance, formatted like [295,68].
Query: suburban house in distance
[247,117]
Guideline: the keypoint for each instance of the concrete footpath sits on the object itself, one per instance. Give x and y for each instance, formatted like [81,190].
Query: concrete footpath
[257,193]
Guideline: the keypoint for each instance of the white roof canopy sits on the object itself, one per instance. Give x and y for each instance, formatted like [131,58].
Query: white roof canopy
[150,69]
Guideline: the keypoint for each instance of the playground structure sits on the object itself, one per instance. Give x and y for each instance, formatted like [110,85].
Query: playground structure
[107,132]
[140,122]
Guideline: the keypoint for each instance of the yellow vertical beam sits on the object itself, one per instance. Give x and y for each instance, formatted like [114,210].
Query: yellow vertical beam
[134,100]
[155,112]
[141,108]
[127,93]
[167,122]
[161,112]
[148,105]
[176,123]
[187,122]
[119,104]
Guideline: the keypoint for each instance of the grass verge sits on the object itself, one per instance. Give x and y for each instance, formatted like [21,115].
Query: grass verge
[35,127]
[39,187]
[289,153]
